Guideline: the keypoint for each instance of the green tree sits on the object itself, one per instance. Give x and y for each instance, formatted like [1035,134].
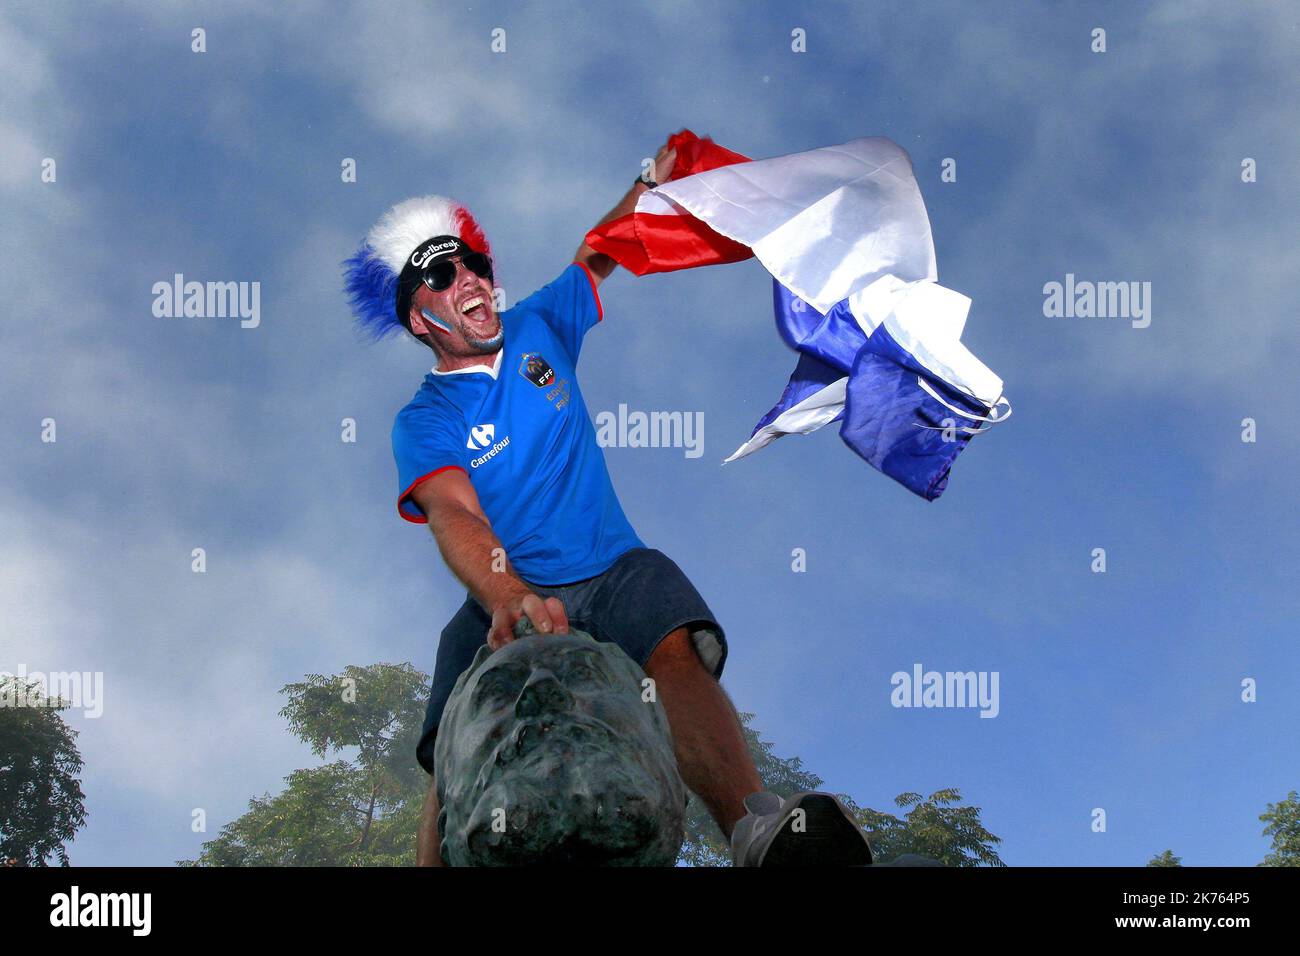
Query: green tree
[1166,859]
[932,828]
[365,810]
[360,810]
[1283,819]
[41,803]
[952,835]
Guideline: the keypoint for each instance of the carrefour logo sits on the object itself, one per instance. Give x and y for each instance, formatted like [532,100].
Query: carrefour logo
[483,436]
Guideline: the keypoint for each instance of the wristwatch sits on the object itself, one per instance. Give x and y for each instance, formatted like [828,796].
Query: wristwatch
[645,179]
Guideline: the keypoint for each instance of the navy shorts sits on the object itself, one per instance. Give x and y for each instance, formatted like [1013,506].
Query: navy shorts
[638,601]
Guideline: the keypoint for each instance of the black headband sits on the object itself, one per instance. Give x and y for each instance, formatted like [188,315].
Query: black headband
[426,253]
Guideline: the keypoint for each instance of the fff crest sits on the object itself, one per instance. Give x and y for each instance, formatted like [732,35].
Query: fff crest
[536,369]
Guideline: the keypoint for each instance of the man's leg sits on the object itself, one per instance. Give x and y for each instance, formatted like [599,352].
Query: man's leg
[457,645]
[426,847]
[707,736]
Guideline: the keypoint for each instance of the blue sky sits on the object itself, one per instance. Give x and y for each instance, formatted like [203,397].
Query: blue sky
[1119,690]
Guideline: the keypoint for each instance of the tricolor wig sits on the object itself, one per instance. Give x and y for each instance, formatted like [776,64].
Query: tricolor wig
[371,273]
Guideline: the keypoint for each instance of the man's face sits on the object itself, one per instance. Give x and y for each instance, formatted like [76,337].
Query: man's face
[468,324]
[548,753]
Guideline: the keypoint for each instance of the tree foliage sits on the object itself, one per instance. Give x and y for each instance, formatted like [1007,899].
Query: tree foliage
[932,827]
[358,810]
[1166,859]
[41,803]
[1283,819]
[363,808]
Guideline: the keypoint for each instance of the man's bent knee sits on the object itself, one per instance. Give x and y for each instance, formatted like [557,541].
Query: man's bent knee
[677,649]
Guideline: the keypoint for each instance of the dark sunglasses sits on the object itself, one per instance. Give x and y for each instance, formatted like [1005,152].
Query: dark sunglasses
[442,273]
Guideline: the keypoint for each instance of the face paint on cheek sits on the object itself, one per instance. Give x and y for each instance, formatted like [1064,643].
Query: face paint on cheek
[435,321]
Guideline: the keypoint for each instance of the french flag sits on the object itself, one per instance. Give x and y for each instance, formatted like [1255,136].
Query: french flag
[844,233]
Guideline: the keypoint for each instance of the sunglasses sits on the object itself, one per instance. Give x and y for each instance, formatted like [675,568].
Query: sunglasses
[442,274]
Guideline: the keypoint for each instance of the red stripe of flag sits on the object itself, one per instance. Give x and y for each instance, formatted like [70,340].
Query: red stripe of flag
[644,243]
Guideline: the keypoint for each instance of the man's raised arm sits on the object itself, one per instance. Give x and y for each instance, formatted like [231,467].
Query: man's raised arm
[599,264]
[476,556]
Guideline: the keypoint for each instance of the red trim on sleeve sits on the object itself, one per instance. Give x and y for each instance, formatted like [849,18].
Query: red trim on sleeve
[600,309]
[407,493]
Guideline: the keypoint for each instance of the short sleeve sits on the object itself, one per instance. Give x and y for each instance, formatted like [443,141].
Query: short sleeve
[424,444]
[570,305]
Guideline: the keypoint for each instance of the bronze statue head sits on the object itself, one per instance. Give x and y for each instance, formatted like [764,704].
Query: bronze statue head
[553,751]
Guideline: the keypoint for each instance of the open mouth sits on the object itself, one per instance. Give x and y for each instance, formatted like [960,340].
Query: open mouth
[474,308]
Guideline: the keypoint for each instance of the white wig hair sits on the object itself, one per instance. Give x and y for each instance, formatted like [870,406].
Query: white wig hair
[371,273]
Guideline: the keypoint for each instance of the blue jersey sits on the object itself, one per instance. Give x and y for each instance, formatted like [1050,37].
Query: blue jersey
[521,431]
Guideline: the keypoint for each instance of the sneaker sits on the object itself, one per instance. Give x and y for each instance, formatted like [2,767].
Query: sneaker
[774,833]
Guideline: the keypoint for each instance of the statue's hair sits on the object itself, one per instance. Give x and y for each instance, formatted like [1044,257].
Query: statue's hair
[370,274]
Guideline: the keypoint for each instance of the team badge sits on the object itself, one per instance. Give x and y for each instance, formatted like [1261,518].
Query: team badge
[536,369]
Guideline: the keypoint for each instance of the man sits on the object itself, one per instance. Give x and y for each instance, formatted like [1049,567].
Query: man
[496,453]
